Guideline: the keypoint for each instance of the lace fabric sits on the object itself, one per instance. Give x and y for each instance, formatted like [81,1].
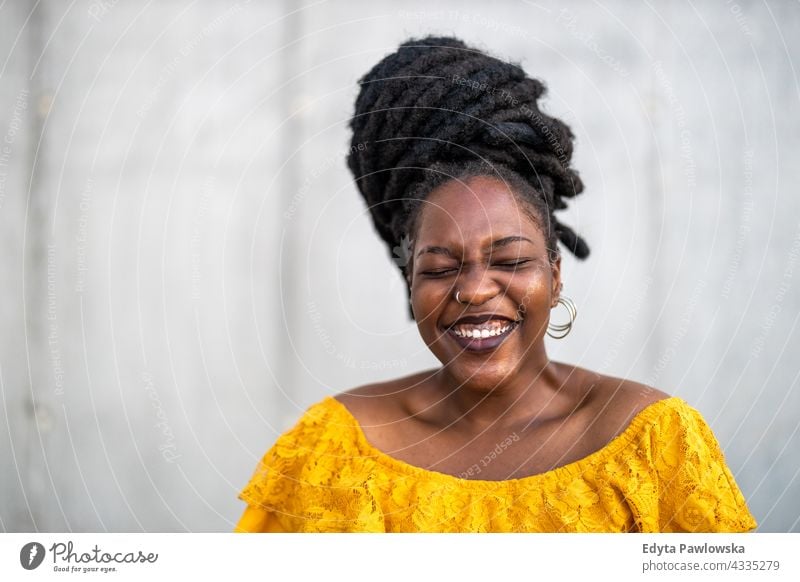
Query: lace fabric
[664,473]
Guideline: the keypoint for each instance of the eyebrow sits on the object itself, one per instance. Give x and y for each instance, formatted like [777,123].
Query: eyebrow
[436,250]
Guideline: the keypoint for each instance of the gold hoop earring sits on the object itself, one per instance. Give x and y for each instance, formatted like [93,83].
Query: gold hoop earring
[560,330]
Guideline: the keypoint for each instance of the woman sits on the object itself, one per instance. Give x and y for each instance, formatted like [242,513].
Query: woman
[463,173]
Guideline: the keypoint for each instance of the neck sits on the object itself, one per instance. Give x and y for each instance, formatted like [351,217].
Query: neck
[529,393]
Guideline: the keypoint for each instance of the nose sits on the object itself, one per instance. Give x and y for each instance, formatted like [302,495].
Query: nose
[475,286]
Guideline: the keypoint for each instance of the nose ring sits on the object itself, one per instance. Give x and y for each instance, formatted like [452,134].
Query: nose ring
[458,300]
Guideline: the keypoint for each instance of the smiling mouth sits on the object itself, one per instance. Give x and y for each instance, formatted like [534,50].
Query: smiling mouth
[482,337]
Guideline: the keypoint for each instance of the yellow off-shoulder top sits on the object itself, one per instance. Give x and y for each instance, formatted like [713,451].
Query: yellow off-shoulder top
[664,473]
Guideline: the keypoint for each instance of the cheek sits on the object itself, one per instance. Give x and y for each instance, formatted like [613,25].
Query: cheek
[532,294]
[429,299]
[426,298]
[431,290]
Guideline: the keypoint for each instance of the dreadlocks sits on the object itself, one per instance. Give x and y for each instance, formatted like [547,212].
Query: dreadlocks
[436,110]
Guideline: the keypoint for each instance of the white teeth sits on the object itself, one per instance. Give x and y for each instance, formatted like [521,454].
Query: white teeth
[481,333]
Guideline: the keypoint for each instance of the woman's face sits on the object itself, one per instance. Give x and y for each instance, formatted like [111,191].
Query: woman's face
[474,238]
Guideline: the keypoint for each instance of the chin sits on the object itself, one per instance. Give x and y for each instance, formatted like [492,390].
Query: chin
[483,376]
[479,371]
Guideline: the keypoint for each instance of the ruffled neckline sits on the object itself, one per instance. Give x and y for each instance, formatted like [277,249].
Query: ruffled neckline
[573,469]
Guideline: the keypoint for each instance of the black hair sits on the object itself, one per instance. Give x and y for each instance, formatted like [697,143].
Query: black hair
[437,110]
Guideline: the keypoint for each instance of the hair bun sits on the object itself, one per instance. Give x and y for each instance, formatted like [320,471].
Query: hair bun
[436,100]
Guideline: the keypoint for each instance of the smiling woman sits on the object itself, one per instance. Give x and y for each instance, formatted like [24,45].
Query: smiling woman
[464,168]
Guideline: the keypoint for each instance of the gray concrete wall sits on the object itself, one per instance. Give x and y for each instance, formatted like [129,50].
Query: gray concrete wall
[186,263]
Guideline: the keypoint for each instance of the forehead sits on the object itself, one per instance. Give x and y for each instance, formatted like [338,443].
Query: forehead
[481,208]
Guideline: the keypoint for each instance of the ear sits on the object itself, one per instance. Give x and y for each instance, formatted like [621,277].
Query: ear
[556,284]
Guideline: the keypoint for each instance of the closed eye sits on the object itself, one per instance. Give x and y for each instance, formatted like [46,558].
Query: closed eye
[513,264]
[439,273]
[504,265]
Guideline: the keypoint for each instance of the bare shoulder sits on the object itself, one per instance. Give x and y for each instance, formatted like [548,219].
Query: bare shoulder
[615,402]
[381,402]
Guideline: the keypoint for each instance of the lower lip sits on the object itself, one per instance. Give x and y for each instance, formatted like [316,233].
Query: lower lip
[482,344]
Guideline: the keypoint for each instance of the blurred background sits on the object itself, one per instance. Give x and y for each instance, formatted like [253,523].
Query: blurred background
[186,263]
